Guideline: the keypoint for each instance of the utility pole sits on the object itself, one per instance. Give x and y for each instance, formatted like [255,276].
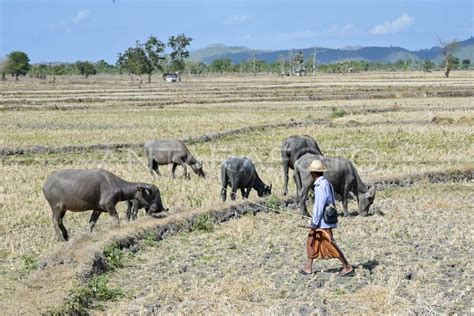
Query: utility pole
[314,61]
[291,63]
[254,64]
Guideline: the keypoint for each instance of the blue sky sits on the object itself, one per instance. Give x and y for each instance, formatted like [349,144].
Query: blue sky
[71,30]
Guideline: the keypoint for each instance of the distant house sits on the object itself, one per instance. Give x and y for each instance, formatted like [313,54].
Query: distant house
[169,77]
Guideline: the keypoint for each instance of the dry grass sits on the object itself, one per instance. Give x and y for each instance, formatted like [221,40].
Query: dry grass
[385,137]
[250,265]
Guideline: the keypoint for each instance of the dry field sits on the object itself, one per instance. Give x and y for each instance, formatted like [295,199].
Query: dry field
[414,258]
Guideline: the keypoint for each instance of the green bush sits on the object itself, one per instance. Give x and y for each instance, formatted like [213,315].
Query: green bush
[29,263]
[337,113]
[150,239]
[91,294]
[114,256]
[204,223]
[272,202]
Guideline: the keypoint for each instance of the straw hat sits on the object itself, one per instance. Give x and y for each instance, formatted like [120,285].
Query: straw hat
[317,166]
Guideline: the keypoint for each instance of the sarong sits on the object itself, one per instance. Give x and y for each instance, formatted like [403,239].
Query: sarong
[321,245]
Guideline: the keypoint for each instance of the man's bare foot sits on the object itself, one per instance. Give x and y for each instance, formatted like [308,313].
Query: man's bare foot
[347,270]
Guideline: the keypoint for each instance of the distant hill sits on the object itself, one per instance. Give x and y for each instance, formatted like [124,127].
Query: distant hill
[215,51]
[329,55]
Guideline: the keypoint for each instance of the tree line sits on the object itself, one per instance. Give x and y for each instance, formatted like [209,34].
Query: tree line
[145,59]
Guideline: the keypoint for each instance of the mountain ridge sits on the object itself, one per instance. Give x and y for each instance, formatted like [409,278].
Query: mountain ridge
[330,55]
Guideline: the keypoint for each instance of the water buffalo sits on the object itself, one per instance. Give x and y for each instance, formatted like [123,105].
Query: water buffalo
[98,190]
[132,209]
[240,173]
[343,176]
[171,151]
[293,148]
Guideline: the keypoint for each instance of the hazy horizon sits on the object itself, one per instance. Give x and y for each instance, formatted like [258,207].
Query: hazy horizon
[52,31]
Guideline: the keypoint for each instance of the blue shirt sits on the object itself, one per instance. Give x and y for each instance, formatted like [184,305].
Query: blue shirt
[323,195]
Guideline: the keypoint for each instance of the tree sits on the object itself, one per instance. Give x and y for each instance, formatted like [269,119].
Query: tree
[221,65]
[143,58]
[3,66]
[58,70]
[465,63]
[297,61]
[196,68]
[428,65]
[86,68]
[448,49]
[178,44]
[17,64]
[39,71]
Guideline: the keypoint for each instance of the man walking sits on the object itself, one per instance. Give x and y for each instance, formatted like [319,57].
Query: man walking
[320,243]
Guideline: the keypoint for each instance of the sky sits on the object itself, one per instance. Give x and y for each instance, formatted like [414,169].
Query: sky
[71,30]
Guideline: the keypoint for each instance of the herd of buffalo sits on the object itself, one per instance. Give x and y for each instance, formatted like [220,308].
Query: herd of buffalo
[100,190]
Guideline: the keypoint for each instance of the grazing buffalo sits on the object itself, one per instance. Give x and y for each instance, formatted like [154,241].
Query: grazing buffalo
[293,148]
[98,190]
[171,151]
[240,173]
[343,176]
[132,209]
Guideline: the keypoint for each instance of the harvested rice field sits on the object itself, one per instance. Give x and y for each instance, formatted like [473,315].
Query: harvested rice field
[411,134]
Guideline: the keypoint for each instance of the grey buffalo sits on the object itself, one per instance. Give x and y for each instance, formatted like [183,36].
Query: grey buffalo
[240,173]
[343,176]
[98,190]
[171,151]
[293,148]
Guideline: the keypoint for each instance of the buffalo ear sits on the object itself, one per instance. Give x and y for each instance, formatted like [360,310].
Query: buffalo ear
[144,188]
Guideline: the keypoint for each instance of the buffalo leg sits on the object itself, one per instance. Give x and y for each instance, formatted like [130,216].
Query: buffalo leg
[153,167]
[285,177]
[173,170]
[345,201]
[233,193]
[224,193]
[134,209]
[243,193]
[112,212]
[129,210]
[298,189]
[247,192]
[302,202]
[94,217]
[61,232]
[185,170]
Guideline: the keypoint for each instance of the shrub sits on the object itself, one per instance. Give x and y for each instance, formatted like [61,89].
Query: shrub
[204,223]
[91,294]
[29,263]
[272,202]
[337,113]
[114,256]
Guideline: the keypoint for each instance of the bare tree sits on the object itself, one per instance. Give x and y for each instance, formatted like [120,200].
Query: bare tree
[3,65]
[448,49]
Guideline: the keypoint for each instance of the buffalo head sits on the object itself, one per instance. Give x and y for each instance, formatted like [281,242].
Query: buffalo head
[366,200]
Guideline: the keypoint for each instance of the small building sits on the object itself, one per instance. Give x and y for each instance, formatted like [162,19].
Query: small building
[171,77]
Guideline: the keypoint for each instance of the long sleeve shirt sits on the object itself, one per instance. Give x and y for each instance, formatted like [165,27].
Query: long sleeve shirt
[323,195]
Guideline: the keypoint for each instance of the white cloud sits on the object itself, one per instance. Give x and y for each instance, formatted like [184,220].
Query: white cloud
[397,25]
[236,19]
[81,16]
[334,30]
[298,35]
